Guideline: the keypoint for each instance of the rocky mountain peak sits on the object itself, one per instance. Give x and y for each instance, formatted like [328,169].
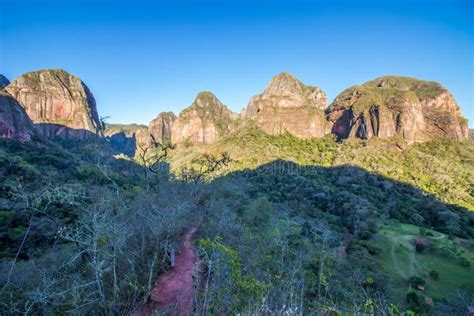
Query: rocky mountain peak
[284,84]
[390,106]
[3,81]
[203,122]
[288,105]
[205,99]
[59,103]
[161,126]
[285,91]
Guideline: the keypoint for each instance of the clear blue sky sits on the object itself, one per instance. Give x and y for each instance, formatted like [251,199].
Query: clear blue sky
[143,57]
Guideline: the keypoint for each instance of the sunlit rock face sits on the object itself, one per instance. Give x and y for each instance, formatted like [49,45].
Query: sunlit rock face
[14,122]
[204,122]
[287,105]
[161,127]
[391,106]
[58,103]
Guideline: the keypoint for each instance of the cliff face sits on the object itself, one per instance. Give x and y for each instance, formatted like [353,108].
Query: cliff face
[203,122]
[14,122]
[161,127]
[59,104]
[130,138]
[391,106]
[289,105]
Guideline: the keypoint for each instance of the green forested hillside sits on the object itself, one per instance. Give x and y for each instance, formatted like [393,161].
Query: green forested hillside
[314,221]
[82,232]
[442,167]
[286,226]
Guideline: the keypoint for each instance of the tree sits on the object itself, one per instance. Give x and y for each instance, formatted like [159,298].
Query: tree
[153,157]
[434,275]
[204,166]
[415,281]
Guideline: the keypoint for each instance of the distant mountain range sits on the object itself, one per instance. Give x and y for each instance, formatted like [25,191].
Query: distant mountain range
[58,104]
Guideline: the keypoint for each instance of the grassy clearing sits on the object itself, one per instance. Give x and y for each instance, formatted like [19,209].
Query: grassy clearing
[402,261]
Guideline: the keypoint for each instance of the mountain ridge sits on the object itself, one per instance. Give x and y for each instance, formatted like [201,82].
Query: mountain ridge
[385,107]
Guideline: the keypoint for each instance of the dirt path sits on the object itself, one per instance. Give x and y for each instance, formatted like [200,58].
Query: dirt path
[413,266]
[395,261]
[173,291]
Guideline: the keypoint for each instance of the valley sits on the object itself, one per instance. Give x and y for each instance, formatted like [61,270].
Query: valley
[294,206]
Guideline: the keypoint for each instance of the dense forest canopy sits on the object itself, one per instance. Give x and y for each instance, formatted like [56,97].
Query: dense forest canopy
[284,225]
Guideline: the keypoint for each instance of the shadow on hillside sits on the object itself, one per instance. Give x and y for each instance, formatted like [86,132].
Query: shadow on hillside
[350,194]
[123,144]
[51,131]
[118,142]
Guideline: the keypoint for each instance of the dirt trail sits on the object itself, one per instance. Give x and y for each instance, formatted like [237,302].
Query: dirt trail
[173,292]
[395,261]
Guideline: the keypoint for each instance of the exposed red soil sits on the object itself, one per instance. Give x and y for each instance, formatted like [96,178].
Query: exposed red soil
[173,291]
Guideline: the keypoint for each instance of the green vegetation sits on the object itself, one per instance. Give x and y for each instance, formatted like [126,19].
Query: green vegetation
[403,262]
[285,225]
[82,232]
[128,129]
[441,167]
[423,89]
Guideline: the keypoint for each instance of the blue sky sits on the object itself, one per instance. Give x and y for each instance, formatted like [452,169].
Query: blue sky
[140,58]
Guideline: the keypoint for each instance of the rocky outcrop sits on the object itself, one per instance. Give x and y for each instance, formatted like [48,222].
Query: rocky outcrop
[127,138]
[14,122]
[161,127]
[3,81]
[287,105]
[203,122]
[392,106]
[59,104]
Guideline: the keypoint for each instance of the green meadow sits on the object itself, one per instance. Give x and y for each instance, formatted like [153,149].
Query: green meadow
[444,255]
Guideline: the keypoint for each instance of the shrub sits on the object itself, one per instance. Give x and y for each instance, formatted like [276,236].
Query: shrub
[420,244]
[414,281]
[463,262]
[413,301]
[434,275]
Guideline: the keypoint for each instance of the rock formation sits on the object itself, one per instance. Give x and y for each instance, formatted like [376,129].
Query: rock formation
[392,106]
[14,122]
[161,127]
[3,81]
[128,138]
[59,103]
[289,105]
[203,122]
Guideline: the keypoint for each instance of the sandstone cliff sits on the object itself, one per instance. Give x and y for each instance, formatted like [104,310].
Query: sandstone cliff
[14,122]
[59,103]
[128,138]
[203,122]
[161,127]
[392,106]
[289,105]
